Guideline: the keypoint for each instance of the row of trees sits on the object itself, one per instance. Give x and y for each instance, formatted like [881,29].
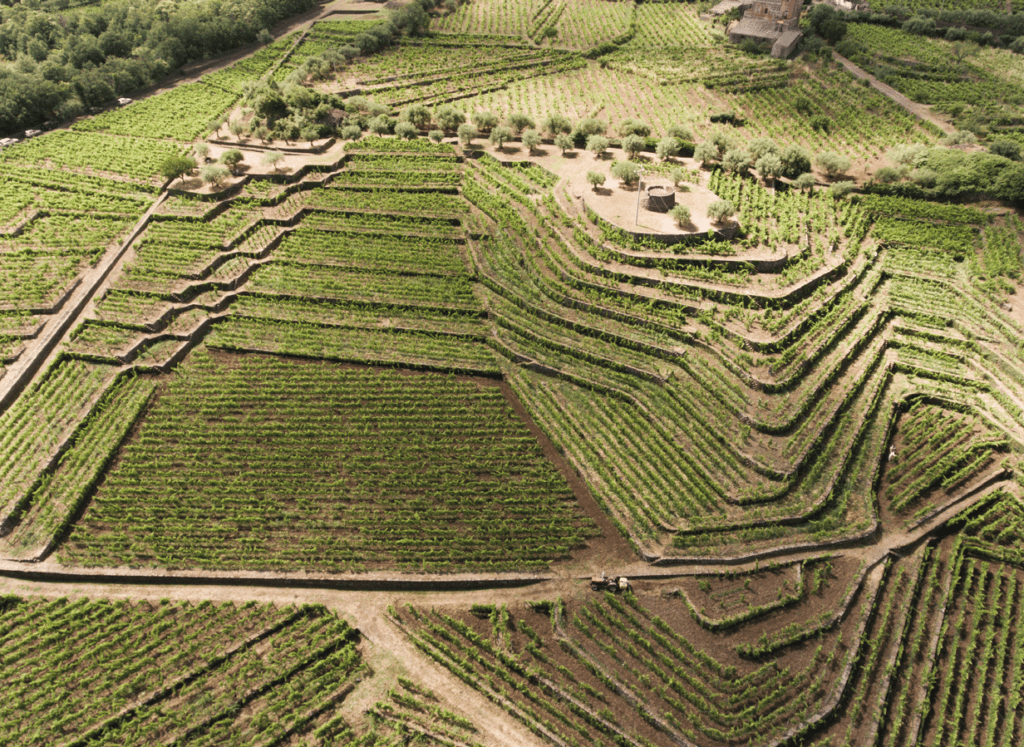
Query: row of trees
[58,64]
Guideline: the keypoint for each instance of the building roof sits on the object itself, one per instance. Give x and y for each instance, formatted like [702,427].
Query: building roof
[756,28]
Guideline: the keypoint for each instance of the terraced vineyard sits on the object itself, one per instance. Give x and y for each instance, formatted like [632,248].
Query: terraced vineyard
[331,445]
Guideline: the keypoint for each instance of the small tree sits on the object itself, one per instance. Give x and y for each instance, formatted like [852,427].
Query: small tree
[769,166]
[805,181]
[214,174]
[437,136]
[795,161]
[564,142]
[720,211]
[633,145]
[736,161]
[705,153]
[626,171]
[448,117]
[668,147]
[531,139]
[231,158]
[466,133]
[634,127]
[381,125]
[887,175]
[762,146]
[351,132]
[417,114]
[680,132]
[499,136]
[202,150]
[681,215]
[840,190]
[519,122]
[272,158]
[597,144]
[174,167]
[237,128]
[833,164]
[310,133]
[406,130]
[484,120]
[595,178]
[678,176]
[556,123]
[591,126]
[1006,149]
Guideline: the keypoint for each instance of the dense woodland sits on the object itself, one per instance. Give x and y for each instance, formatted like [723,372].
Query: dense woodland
[56,63]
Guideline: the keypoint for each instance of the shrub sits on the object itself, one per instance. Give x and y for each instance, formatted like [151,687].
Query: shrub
[406,130]
[634,127]
[821,123]
[214,174]
[668,147]
[634,144]
[519,122]
[1006,149]
[705,153]
[351,132]
[380,125]
[827,23]
[681,215]
[173,167]
[595,179]
[418,114]
[466,133]
[591,126]
[678,176]
[499,136]
[680,132]
[840,190]
[720,211]
[926,178]
[626,171]
[231,158]
[556,123]
[597,144]
[887,175]
[736,161]
[272,158]
[761,146]
[961,137]
[448,117]
[920,26]
[833,163]
[805,181]
[1009,185]
[769,166]
[484,120]
[531,139]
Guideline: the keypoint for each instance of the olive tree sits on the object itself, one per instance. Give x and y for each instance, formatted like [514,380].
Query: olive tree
[499,136]
[626,171]
[633,145]
[272,158]
[531,139]
[720,211]
[833,163]
[681,215]
[668,147]
[595,179]
[214,174]
[597,144]
[564,142]
[484,120]
[466,133]
[519,122]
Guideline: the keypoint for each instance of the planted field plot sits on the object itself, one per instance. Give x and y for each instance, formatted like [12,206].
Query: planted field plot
[436,70]
[311,466]
[90,153]
[638,670]
[137,673]
[513,18]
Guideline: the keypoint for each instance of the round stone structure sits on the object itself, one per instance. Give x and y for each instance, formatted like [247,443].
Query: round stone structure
[659,198]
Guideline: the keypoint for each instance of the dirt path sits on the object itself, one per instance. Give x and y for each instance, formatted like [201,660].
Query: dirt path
[918,110]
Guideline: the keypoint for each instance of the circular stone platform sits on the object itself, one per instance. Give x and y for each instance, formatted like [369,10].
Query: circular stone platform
[658,198]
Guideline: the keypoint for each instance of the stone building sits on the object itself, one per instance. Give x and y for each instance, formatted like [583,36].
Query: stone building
[773,22]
